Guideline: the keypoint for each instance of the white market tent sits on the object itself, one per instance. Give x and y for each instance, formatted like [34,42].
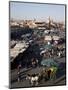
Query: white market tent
[56,38]
[20,47]
[48,38]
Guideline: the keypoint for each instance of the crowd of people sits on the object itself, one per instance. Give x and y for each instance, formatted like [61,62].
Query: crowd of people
[45,74]
[34,64]
[35,78]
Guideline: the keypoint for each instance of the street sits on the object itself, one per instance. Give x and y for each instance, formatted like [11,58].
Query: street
[60,80]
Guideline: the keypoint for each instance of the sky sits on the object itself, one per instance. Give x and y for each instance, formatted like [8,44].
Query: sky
[36,11]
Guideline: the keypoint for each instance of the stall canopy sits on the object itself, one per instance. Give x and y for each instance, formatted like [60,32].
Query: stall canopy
[48,38]
[56,38]
[49,63]
[48,46]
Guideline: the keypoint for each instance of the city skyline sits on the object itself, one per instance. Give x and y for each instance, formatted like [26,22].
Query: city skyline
[36,11]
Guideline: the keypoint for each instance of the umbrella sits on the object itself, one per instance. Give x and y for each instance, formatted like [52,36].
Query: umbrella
[49,62]
[46,47]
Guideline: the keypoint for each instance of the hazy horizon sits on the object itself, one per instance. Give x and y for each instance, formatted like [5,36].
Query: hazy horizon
[31,11]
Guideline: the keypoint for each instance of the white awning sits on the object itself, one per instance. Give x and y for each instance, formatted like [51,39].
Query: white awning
[48,38]
[56,37]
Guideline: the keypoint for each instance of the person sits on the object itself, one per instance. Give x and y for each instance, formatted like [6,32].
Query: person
[18,73]
[48,43]
[28,77]
[59,54]
[19,66]
[33,62]
[37,62]
[53,73]
[34,79]
[44,74]
[48,73]
[19,77]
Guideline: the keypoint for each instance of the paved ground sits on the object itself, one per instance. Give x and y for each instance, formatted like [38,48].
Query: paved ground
[61,78]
